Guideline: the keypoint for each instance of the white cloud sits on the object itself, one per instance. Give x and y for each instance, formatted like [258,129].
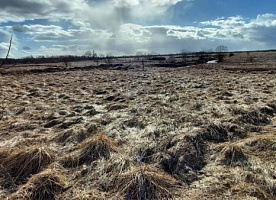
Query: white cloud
[262,29]
[266,20]
[113,25]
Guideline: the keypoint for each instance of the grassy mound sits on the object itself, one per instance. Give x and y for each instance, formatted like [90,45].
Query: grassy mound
[4,153]
[216,133]
[248,191]
[43,186]
[94,148]
[254,117]
[80,193]
[184,159]
[262,144]
[266,182]
[146,182]
[22,163]
[107,173]
[233,155]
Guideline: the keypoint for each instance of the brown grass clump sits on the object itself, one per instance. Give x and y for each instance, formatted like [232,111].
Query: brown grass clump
[264,181]
[72,135]
[117,165]
[215,133]
[248,191]
[94,148]
[254,117]
[107,173]
[146,182]
[83,194]
[22,163]
[262,144]
[233,155]
[4,153]
[43,186]
[183,159]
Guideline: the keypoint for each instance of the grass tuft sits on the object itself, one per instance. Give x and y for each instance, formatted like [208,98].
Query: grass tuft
[43,186]
[215,133]
[25,162]
[254,117]
[233,155]
[146,182]
[99,146]
[184,159]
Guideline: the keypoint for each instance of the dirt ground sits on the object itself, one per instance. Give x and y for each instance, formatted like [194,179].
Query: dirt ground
[196,132]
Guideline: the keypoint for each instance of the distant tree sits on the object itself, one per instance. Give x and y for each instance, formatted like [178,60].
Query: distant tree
[109,58]
[88,54]
[94,54]
[184,51]
[221,48]
[171,59]
[153,53]
[109,55]
[40,57]
[139,53]
[184,55]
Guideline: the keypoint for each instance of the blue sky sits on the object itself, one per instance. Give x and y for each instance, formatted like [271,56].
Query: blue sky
[123,27]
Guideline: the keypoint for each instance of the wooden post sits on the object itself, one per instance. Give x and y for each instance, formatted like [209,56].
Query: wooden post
[7,53]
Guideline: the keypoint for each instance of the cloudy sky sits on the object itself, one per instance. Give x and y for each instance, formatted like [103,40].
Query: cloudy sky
[62,27]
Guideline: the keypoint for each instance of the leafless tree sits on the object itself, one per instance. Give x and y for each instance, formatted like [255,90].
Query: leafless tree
[221,48]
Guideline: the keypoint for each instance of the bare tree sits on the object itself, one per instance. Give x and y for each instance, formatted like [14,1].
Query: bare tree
[171,59]
[221,48]
[109,58]
[88,54]
[7,56]
[94,54]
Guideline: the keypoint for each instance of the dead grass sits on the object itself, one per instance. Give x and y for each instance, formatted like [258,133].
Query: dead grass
[107,173]
[266,183]
[4,153]
[210,129]
[146,182]
[96,147]
[83,194]
[262,143]
[254,117]
[43,186]
[22,163]
[232,155]
[183,159]
[216,133]
[248,191]
[113,107]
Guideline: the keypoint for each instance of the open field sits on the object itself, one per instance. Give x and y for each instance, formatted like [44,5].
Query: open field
[199,132]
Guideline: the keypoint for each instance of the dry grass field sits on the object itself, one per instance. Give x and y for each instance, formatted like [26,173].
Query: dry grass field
[198,132]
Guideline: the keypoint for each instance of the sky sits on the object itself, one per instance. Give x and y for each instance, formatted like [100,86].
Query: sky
[125,27]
